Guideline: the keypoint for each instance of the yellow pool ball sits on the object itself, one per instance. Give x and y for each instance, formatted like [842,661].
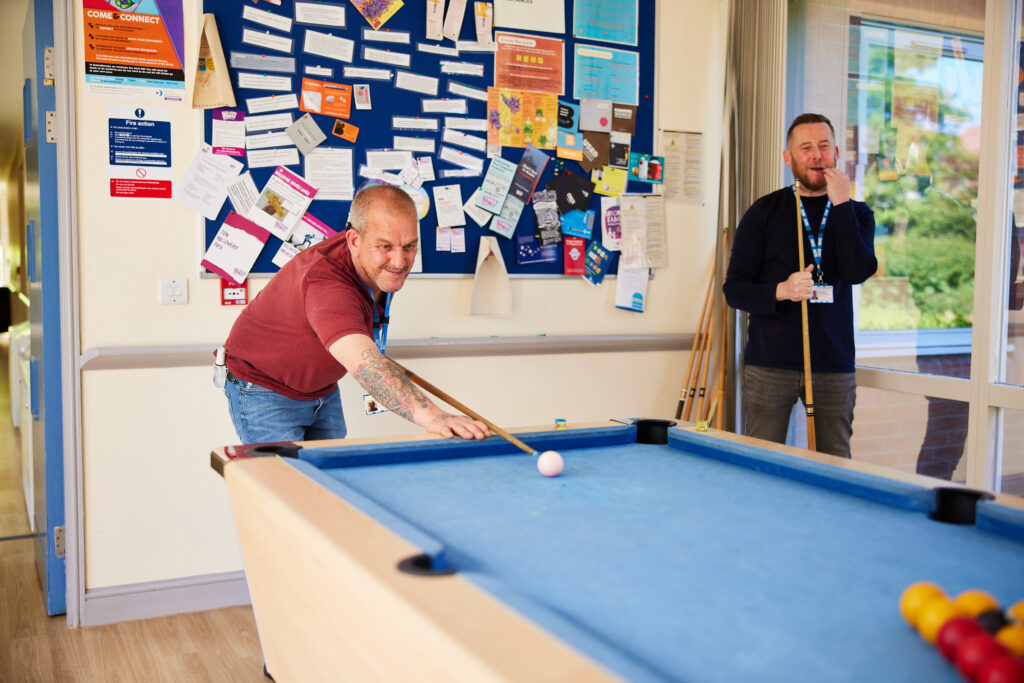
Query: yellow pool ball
[1016,612]
[975,601]
[1012,638]
[916,596]
[935,614]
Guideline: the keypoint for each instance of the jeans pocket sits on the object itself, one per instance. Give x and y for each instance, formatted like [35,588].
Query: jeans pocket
[250,388]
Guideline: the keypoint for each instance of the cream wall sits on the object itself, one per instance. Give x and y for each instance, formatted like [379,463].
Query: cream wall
[153,508]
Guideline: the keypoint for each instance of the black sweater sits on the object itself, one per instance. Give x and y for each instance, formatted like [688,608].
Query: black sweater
[764,254]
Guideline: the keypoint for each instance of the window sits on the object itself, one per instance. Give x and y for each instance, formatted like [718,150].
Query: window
[912,142]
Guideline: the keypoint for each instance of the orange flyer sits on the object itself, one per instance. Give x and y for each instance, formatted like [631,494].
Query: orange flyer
[345,131]
[323,97]
[136,51]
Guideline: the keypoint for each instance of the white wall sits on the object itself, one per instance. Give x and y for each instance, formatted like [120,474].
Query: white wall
[153,508]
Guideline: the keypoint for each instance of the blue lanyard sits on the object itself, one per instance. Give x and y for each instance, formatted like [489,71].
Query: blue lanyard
[380,326]
[815,241]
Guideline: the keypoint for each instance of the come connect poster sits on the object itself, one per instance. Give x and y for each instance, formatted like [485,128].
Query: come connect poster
[134,49]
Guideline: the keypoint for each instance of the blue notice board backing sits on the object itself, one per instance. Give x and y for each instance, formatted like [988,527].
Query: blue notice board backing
[375,131]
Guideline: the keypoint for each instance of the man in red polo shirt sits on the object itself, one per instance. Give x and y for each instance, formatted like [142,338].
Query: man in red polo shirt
[323,315]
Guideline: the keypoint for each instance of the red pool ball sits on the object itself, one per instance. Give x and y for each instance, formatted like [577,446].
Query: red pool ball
[974,652]
[954,632]
[1005,669]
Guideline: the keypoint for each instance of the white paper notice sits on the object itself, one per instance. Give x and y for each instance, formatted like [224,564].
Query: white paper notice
[448,205]
[255,124]
[631,289]
[386,36]
[479,216]
[325,71]
[458,240]
[426,166]
[457,138]
[320,13]
[267,140]
[260,105]
[326,45]
[470,46]
[466,91]
[437,49]
[443,239]
[684,162]
[492,292]
[530,16]
[205,183]
[463,68]
[459,123]
[411,175]
[243,193]
[263,82]
[642,222]
[267,18]
[444,106]
[435,19]
[369,74]
[330,170]
[228,136]
[388,160]
[372,54]
[453,19]
[462,159]
[267,40]
[414,144]
[284,156]
[413,123]
[410,81]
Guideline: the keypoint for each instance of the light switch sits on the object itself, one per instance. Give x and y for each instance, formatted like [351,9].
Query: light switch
[173,290]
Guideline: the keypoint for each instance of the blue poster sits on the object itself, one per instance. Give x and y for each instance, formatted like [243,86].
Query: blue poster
[610,21]
[604,73]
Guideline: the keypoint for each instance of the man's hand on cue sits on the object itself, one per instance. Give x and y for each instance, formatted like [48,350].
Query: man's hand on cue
[837,185]
[448,425]
[797,287]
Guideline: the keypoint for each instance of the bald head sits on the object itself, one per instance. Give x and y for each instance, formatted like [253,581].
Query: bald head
[380,201]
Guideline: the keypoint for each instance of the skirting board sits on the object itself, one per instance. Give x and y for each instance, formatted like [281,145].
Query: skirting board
[162,598]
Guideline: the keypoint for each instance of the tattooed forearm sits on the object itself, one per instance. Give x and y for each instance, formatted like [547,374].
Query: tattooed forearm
[389,385]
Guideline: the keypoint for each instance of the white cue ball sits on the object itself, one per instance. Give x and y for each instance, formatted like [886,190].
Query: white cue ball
[549,463]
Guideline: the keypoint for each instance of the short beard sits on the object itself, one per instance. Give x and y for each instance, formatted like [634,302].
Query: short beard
[807,185]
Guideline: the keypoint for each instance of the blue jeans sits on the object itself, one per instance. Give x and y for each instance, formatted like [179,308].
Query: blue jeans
[769,395]
[261,415]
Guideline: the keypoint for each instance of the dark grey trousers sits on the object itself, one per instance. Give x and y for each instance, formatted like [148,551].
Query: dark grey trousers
[769,395]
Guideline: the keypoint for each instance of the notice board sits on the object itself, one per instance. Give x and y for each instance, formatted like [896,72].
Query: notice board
[399,52]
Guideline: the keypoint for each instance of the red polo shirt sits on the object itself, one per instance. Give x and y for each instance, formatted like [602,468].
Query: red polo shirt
[280,340]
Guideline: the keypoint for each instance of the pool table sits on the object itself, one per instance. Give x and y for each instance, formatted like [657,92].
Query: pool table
[661,553]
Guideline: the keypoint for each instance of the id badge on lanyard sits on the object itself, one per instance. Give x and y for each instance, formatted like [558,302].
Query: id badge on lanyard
[380,326]
[380,338]
[821,293]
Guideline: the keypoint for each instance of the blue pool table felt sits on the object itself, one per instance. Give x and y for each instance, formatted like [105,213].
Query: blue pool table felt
[673,562]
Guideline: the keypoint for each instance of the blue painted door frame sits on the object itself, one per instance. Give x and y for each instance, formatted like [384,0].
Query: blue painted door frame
[44,308]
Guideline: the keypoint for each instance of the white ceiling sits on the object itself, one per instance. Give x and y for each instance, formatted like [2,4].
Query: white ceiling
[12,21]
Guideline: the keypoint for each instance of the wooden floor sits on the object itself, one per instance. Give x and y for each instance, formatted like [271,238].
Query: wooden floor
[219,645]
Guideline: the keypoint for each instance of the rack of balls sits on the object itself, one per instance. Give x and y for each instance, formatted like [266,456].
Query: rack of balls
[984,641]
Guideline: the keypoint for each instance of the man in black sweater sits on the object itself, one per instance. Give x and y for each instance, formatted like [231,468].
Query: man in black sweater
[766,280]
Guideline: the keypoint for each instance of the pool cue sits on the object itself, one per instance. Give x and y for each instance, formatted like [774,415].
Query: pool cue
[416,379]
[701,355]
[720,384]
[720,415]
[706,358]
[696,341]
[808,389]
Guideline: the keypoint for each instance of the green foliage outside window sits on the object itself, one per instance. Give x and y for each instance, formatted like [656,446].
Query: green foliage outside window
[921,182]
